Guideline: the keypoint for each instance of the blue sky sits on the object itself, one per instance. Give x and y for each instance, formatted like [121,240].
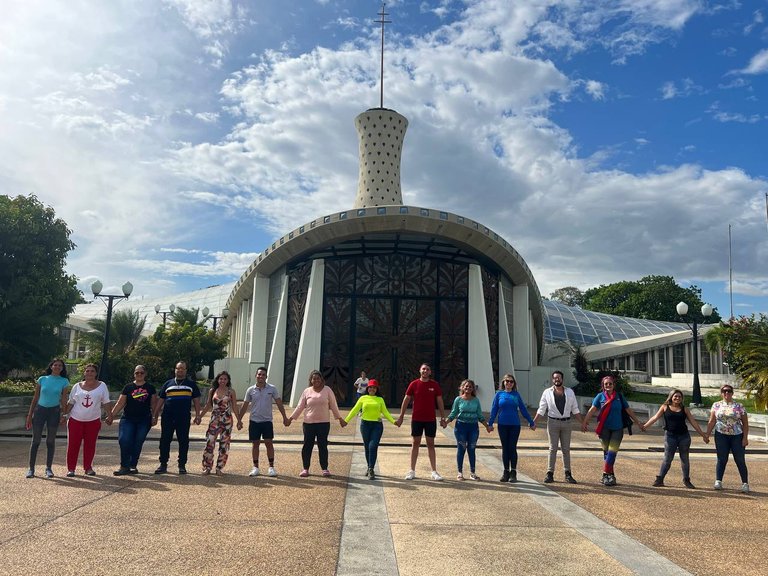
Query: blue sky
[605,140]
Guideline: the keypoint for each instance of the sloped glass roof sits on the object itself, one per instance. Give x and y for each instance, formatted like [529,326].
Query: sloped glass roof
[577,326]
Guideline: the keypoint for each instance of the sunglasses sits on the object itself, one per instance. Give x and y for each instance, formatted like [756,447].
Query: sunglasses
[505,381]
[726,391]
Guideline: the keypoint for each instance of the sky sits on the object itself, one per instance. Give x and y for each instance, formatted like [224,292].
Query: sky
[605,140]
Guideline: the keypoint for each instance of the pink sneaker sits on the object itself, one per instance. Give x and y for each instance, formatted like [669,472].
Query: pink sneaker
[304,473]
[326,473]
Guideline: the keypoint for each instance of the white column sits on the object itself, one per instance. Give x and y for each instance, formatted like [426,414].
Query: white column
[277,354]
[308,357]
[521,331]
[259,308]
[506,362]
[479,363]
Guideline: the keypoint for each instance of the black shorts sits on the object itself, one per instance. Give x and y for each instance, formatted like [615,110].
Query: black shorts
[259,430]
[428,429]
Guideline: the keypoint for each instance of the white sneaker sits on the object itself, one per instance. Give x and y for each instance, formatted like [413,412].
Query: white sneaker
[411,475]
[271,472]
[436,477]
[254,471]
[745,488]
[718,484]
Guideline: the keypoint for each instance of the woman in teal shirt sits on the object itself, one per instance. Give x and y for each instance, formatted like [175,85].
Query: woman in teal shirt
[371,427]
[45,412]
[467,412]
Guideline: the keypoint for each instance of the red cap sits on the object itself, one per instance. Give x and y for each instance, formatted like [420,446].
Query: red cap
[373,382]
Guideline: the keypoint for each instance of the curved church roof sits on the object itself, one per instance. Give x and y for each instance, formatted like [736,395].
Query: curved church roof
[577,326]
[425,231]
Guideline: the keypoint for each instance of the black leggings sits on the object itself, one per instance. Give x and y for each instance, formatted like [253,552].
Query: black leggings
[44,418]
[315,432]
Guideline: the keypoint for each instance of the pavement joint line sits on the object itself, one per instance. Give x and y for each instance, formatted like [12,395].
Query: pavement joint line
[366,531]
[629,552]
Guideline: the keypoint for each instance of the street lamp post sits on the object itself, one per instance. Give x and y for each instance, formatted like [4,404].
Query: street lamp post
[224,314]
[96,288]
[165,313]
[706,312]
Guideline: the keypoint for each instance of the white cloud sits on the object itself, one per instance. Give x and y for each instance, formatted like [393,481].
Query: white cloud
[758,64]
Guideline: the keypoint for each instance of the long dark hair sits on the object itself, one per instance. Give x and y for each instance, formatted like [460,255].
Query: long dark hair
[312,374]
[215,384]
[49,371]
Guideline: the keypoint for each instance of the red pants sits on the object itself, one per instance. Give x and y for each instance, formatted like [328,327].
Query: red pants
[84,433]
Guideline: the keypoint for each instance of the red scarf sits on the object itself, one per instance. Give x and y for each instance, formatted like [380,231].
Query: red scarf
[604,411]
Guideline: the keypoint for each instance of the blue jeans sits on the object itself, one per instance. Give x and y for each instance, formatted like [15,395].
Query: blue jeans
[725,444]
[131,435]
[509,434]
[371,431]
[466,441]
[673,443]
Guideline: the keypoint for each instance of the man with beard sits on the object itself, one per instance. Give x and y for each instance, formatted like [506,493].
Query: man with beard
[560,405]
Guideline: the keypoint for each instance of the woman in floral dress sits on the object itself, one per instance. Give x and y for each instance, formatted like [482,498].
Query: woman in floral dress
[222,401]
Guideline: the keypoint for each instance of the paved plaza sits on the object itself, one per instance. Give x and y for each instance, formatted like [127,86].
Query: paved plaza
[347,524]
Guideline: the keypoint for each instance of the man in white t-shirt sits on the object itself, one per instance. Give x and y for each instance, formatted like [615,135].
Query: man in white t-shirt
[361,386]
[260,397]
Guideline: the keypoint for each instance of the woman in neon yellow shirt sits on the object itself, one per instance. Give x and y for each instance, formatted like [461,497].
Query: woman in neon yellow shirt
[371,427]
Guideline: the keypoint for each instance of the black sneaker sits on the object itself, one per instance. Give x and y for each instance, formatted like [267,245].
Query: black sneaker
[688,484]
[372,475]
[133,471]
[611,480]
[90,472]
[162,469]
[504,476]
[604,480]
[549,478]
[121,471]
[182,470]
[659,482]
[569,478]
[513,475]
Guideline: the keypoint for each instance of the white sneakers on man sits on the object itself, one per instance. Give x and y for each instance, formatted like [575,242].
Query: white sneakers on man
[436,477]
[411,475]
[271,472]
[718,484]
[254,471]
[745,488]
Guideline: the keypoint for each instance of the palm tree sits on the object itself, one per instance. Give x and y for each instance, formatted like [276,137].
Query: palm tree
[754,368]
[125,331]
[187,316]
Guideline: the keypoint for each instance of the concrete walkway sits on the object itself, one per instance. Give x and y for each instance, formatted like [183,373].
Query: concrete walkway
[347,524]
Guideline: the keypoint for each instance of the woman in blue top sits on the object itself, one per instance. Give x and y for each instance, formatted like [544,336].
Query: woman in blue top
[467,413]
[610,425]
[508,405]
[45,412]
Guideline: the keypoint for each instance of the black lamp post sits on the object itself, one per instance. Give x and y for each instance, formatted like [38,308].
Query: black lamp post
[165,313]
[706,312]
[224,314]
[96,288]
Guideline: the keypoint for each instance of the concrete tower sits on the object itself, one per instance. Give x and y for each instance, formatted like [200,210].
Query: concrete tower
[381,132]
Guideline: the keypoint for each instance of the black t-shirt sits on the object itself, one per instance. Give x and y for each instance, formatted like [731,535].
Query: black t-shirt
[139,401]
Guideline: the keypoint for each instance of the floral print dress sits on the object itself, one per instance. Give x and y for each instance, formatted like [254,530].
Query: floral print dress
[220,427]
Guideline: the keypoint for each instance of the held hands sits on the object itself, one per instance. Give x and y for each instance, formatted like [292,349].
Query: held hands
[532,426]
[286,421]
[399,421]
[198,419]
[443,422]
[584,426]
[239,424]
[705,437]
[488,428]
[342,422]
[108,420]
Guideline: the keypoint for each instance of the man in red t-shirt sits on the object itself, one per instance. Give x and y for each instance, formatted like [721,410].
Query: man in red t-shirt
[425,393]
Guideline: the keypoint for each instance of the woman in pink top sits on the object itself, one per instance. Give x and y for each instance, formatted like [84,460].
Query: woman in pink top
[318,401]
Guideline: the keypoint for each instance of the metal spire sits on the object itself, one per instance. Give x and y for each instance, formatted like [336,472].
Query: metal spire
[382,21]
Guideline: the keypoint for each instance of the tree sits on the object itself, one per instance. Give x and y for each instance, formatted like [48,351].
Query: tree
[568,295]
[187,316]
[744,342]
[650,298]
[36,296]
[193,343]
[125,333]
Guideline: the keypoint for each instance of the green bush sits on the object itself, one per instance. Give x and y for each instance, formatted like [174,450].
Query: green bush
[17,387]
